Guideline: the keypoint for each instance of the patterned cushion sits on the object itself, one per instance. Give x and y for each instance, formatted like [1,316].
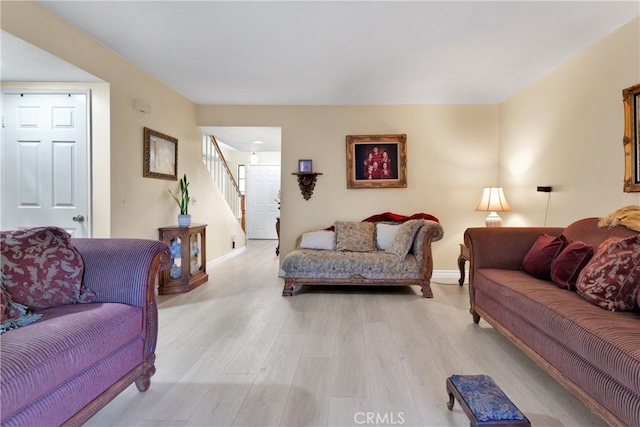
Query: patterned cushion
[311,263]
[485,399]
[612,278]
[355,236]
[319,240]
[41,268]
[404,239]
[537,262]
[13,315]
[385,234]
[566,267]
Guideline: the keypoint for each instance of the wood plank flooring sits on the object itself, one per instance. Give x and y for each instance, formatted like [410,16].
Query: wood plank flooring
[233,352]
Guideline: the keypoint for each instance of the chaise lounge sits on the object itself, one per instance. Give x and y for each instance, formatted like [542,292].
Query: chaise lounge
[372,252]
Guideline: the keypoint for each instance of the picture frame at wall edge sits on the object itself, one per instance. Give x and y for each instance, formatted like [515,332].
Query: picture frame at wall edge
[305,166]
[631,140]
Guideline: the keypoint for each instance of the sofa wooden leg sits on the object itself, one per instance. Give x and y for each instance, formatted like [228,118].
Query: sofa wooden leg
[144,380]
[426,290]
[287,291]
[476,316]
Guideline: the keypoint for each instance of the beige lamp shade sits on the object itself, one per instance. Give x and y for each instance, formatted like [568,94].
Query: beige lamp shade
[493,201]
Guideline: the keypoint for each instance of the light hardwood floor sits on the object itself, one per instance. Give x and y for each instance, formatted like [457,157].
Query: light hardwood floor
[233,352]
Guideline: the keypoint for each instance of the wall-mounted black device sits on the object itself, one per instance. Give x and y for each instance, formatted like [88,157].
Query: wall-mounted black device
[544,188]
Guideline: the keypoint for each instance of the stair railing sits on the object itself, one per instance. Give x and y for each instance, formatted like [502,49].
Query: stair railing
[219,169]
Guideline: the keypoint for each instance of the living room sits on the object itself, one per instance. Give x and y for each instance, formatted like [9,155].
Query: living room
[563,129]
[472,145]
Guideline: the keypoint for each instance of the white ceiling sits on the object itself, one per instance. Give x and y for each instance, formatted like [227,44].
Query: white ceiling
[24,62]
[327,52]
[349,53]
[243,138]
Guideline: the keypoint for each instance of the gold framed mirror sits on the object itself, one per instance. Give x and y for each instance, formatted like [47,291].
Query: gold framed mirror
[631,141]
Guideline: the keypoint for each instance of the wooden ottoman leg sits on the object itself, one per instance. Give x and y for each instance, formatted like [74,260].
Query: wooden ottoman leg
[451,402]
[287,291]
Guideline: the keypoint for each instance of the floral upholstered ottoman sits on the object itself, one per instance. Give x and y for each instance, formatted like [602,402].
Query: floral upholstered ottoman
[484,402]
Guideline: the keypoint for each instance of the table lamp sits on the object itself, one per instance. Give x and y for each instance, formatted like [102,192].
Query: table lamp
[493,201]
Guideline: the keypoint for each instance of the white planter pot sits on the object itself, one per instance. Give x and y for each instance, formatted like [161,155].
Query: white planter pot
[184,220]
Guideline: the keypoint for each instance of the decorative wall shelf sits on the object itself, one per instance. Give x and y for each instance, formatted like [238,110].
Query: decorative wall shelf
[307,182]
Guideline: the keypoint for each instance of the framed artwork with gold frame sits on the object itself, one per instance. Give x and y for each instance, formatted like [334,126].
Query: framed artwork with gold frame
[631,141]
[377,161]
[160,159]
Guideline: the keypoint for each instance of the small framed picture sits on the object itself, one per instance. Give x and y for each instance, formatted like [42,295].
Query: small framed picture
[304,166]
[160,156]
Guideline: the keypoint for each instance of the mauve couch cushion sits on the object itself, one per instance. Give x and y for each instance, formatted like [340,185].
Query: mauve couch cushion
[596,381]
[68,339]
[607,340]
[62,403]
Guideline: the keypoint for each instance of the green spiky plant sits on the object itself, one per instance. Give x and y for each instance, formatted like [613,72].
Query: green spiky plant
[183,201]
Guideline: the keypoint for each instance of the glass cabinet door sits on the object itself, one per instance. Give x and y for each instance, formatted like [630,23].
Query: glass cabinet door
[195,254]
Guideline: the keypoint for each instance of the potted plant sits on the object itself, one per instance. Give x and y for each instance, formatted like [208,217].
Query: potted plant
[184,219]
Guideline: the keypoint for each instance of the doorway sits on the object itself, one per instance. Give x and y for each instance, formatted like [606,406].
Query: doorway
[263,185]
[45,160]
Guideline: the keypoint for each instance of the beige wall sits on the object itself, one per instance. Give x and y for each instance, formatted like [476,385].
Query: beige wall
[565,130]
[137,205]
[452,154]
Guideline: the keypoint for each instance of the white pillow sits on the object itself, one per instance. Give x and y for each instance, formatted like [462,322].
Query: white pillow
[385,234]
[319,240]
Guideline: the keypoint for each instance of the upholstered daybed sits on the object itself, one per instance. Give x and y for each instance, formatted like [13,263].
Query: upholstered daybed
[404,258]
[590,350]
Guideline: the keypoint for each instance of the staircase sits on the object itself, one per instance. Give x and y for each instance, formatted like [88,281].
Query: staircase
[219,170]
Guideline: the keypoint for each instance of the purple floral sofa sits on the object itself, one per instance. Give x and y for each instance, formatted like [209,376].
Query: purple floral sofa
[579,320]
[79,322]
[370,252]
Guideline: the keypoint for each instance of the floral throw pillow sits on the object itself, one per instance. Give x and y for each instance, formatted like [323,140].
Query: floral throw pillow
[41,268]
[612,278]
[404,238]
[355,236]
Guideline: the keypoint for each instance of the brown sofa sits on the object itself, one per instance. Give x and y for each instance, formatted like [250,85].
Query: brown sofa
[592,352]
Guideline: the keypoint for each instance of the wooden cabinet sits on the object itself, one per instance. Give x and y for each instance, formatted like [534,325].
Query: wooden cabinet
[188,268]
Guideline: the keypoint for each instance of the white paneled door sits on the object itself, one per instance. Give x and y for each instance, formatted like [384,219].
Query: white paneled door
[263,184]
[45,172]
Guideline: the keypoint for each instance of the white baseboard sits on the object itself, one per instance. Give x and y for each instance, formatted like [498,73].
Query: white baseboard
[226,257]
[447,274]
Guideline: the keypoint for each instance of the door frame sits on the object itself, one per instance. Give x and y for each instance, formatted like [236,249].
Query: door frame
[3,178]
